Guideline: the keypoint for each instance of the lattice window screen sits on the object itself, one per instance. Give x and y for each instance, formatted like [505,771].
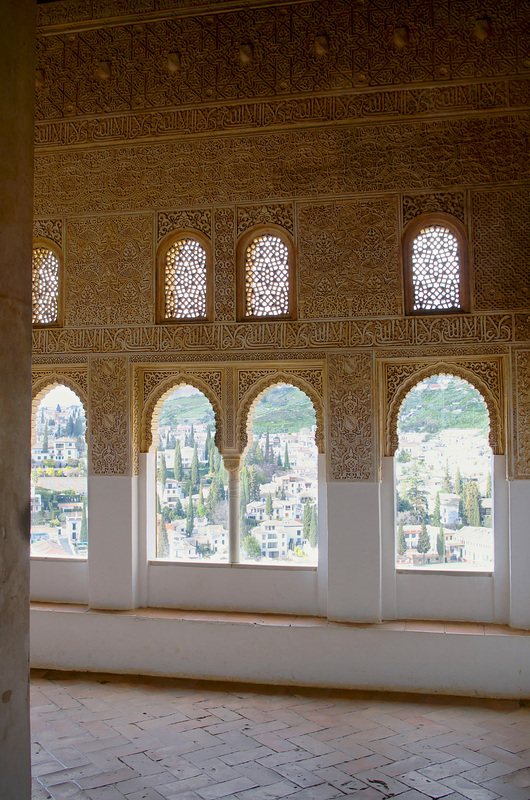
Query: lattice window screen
[185,280]
[45,286]
[435,269]
[267,277]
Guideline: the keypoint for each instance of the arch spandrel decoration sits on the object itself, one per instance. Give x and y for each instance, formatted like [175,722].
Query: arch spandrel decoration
[257,390]
[485,376]
[44,382]
[156,398]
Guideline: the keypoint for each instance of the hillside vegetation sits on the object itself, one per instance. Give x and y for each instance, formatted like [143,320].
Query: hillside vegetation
[442,402]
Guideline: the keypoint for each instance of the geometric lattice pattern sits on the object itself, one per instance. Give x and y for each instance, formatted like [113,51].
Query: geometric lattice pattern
[185,280]
[435,269]
[45,285]
[267,277]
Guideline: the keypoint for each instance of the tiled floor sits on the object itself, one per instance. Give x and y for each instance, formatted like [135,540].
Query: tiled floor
[107,737]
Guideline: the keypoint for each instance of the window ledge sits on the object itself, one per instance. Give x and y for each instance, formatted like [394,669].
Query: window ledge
[158,562]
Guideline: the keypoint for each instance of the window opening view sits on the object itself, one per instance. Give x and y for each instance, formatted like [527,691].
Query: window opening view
[185,280]
[279,481]
[435,269]
[45,286]
[59,514]
[267,277]
[444,478]
[192,503]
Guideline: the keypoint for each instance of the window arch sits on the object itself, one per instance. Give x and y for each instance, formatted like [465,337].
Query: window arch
[46,279]
[444,476]
[185,277]
[279,479]
[266,274]
[59,487]
[435,265]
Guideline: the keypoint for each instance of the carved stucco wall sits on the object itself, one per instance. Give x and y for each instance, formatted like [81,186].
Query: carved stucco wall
[341,123]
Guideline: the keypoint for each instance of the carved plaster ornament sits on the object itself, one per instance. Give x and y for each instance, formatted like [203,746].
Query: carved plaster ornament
[246,54]
[40,79]
[321,46]
[173,62]
[401,37]
[483,29]
[104,70]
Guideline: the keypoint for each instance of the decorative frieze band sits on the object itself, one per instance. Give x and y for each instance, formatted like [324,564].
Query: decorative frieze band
[256,336]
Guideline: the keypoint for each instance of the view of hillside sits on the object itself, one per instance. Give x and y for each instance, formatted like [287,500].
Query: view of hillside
[283,409]
[192,408]
[437,403]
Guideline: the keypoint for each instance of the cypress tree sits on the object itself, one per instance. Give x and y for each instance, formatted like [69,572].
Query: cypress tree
[306,519]
[459,487]
[440,542]
[45,439]
[162,472]
[313,527]
[194,474]
[83,536]
[162,543]
[189,515]
[424,542]
[192,435]
[436,512]
[447,485]
[488,485]
[286,463]
[401,544]
[267,446]
[179,472]
[268,505]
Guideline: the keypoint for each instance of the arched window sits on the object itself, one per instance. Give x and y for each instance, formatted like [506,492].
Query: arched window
[266,275]
[444,478]
[59,512]
[185,278]
[192,492]
[279,481]
[45,288]
[435,265]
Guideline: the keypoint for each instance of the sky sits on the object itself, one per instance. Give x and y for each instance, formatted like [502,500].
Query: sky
[61,395]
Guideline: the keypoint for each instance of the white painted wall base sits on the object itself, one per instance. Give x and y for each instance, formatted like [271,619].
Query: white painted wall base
[311,654]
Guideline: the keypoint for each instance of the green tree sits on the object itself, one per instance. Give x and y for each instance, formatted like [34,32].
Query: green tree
[306,519]
[440,542]
[192,436]
[251,547]
[447,485]
[313,527]
[83,536]
[253,484]
[459,486]
[190,518]
[177,464]
[162,470]
[208,444]
[162,541]
[194,473]
[488,485]
[45,439]
[268,505]
[267,446]
[436,512]
[424,542]
[201,508]
[473,508]
[415,493]
[178,511]
[286,462]
[401,544]
[279,461]
[244,492]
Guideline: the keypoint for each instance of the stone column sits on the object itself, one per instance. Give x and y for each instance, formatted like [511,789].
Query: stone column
[232,464]
[17,48]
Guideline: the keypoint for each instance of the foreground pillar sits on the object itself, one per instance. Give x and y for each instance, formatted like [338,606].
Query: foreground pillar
[232,464]
[17,46]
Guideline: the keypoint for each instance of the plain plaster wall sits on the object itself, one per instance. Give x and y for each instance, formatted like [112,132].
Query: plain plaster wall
[17,47]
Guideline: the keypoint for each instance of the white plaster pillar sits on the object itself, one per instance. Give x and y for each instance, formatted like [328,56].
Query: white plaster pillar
[232,464]
[323,564]
[113,541]
[388,540]
[519,492]
[501,540]
[146,522]
[354,551]
[17,68]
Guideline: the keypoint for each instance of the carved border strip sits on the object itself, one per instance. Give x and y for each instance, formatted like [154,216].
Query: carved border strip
[521,414]
[485,374]
[299,335]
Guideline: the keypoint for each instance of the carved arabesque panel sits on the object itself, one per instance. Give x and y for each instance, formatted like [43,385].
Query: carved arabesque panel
[195,218]
[485,374]
[158,384]
[448,202]
[392,156]
[501,244]
[109,271]
[51,229]
[253,384]
[521,416]
[224,265]
[348,258]
[266,214]
[351,417]
[109,428]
